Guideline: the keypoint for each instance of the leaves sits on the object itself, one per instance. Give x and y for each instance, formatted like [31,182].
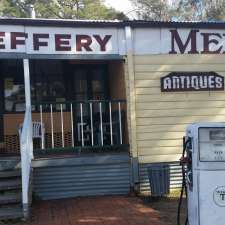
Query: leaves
[181,10]
[152,10]
[62,9]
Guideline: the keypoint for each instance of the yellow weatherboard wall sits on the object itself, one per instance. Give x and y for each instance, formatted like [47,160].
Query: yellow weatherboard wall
[162,118]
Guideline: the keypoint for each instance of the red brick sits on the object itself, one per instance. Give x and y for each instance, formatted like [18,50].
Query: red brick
[94,211]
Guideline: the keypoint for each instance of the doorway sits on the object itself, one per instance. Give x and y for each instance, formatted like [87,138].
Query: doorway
[88,86]
[89,82]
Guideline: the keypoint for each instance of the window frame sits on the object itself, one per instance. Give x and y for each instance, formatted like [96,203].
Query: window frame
[68,82]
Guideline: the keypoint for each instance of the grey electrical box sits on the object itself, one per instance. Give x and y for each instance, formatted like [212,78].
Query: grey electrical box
[159,179]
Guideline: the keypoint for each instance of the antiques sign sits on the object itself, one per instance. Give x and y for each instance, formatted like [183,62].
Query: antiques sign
[192,81]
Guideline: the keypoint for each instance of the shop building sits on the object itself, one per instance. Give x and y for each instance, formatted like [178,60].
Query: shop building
[86,106]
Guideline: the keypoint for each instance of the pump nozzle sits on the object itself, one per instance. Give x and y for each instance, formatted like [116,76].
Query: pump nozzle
[184,160]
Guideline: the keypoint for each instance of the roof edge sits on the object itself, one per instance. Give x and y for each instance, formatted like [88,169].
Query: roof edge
[110,23]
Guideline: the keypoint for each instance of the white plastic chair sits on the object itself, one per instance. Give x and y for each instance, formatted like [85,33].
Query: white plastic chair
[38,132]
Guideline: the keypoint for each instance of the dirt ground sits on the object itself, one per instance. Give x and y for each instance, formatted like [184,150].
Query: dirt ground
[105,210]
[167,209]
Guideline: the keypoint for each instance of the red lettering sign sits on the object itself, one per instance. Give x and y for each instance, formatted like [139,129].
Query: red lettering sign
[2,34]
[57,42]
[183,46]
[37,43]
[207,41]
[102,42]
[15,41]
[62,42]
[83,41]
[211,43]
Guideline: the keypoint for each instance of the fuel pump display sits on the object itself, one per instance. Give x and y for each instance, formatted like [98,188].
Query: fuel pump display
[203,164]
[212,144]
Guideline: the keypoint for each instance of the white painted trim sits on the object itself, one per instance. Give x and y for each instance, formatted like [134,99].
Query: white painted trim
[26,141]
[28,95]
[132,108]
[27,82]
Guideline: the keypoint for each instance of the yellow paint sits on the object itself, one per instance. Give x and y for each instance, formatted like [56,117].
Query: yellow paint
[161,118]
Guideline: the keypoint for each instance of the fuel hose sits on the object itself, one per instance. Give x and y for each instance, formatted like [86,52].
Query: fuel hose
[184,186]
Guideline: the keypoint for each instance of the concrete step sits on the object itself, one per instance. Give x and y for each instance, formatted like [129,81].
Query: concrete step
[10,198]
[14,212]
[10,184]
[10,173]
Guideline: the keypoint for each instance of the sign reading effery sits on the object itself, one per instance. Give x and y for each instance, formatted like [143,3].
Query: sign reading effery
[58,40]
[192,81]
[62,42]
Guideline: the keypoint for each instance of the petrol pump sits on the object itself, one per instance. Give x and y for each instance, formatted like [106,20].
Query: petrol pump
[203,164]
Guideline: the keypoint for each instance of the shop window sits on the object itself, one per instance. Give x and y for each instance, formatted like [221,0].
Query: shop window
[89,83]
[53,81]
[47,81]
[14,97]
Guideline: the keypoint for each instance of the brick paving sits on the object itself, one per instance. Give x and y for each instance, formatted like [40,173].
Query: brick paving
[94,211]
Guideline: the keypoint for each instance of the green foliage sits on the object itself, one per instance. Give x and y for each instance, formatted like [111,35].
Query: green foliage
[9,8]
[181,10]
[63,9]
[214,10]
[152,10]
[189,10]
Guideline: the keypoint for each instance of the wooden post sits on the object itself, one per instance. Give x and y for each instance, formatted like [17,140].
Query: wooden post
[27,82]
[28,96]
[132,108]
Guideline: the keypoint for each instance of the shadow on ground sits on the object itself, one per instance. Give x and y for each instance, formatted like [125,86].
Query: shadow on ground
[114,210]
[167,209]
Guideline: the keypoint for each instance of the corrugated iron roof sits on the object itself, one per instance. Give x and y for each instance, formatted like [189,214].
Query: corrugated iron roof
[60,22]
[110,23]
[179,24]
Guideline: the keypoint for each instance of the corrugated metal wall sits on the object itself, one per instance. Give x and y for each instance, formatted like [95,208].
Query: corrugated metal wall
[82,176]
[175,177]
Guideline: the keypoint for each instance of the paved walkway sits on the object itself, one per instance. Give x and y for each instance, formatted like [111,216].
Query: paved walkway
[94,211]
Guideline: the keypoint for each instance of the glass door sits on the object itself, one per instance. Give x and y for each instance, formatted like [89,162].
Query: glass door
[89,83]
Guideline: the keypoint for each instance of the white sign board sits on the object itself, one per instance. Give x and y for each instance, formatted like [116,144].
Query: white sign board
[51,40]
[178,41]
[109,40]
